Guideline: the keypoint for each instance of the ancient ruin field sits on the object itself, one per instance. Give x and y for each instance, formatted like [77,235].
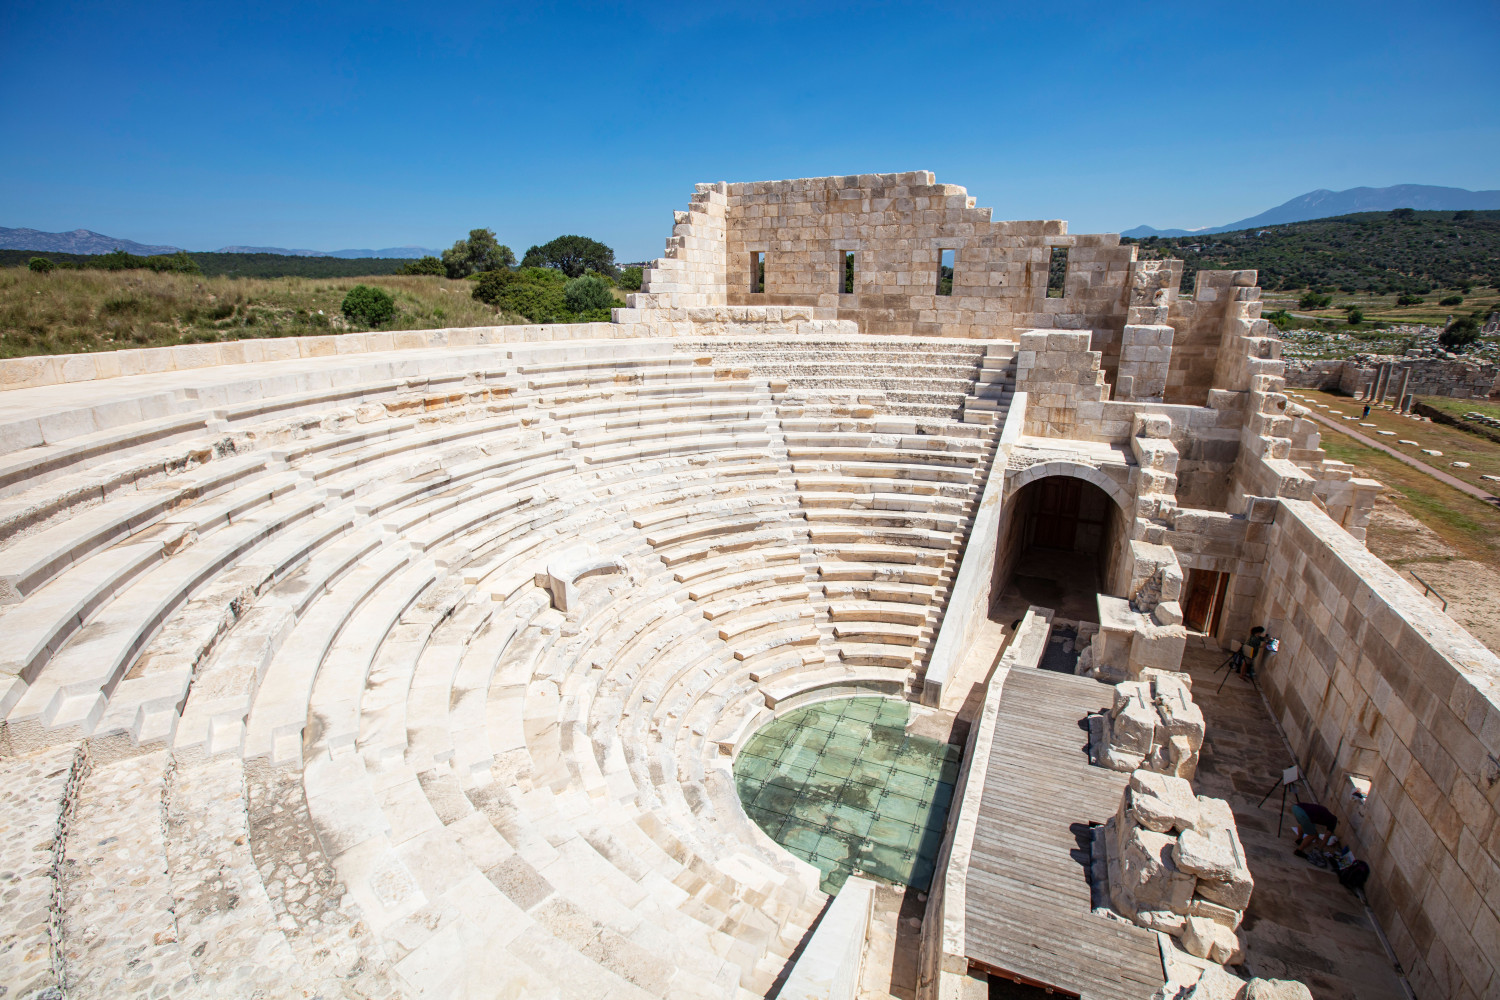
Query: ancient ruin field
[1420,526]
[67,312]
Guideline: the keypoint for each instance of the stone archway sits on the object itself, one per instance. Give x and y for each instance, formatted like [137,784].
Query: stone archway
[1064,538]
[1116,491]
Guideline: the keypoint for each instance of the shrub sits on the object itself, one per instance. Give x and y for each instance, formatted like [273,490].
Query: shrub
[368,306]
[178,263]
[488,287]
[537,302]
[1451,300]
[423,265]
[41,265]
[587,294]
[535,293]
[1407,299]
[1460,334]
[1280,318]
[1313,300]
[631,277]
[542,275]
[1355,316]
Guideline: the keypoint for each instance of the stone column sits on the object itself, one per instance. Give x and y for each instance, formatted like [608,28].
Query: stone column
[1401,388]
[1378,394]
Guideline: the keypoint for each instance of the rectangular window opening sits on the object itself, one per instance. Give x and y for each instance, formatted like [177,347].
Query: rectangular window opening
[847,283]
[758,271]
[1057,272]
[946,260]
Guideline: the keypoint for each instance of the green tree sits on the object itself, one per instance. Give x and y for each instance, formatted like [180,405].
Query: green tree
[1451,300]
[423,265]
[1407,299]
[1356,316]
[572,255]
[631,278]
[588,294]
[368,306]
[1460,334]
[41,265]
[1312,300]
[479,253]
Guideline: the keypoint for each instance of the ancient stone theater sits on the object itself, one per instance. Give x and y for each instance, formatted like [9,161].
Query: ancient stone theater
[842,619]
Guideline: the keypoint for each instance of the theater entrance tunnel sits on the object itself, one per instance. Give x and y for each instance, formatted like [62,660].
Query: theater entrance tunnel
[1063,540]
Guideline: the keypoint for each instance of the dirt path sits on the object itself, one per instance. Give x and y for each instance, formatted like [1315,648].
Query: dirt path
[1438,474]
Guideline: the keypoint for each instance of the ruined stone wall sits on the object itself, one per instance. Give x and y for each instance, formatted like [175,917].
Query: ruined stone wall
[897,225]
[1373,681]
[1064,381]
[1462,378]
[1198,324]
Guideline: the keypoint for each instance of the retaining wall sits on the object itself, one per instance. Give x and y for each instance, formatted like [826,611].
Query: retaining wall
[1373,681]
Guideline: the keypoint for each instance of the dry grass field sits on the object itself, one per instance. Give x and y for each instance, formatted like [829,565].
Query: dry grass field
[1384,309]
[68,312]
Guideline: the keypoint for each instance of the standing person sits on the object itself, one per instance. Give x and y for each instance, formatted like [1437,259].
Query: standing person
[1251,649]
[1366,414]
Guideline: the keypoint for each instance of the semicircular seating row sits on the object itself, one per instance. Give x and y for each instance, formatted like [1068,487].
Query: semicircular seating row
[288,698]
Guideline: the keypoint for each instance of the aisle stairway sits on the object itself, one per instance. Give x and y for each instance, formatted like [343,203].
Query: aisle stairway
[418,676]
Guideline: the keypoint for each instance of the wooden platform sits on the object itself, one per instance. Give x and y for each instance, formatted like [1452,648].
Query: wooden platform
[1028,911]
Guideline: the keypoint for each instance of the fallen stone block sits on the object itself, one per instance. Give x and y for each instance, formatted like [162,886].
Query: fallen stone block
[1151,877]
[1275,989]
[1159,802]
[1211,940]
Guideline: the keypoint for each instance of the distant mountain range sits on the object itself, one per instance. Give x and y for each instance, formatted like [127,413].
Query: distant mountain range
[78,241]
[86,241]
[1323,204]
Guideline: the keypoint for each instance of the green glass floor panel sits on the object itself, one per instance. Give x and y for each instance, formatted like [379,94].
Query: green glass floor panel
[842,786]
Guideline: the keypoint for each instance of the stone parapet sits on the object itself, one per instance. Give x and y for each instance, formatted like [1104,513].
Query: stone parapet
[30,372]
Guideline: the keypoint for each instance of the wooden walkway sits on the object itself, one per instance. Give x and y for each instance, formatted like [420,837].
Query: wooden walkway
[1028,911]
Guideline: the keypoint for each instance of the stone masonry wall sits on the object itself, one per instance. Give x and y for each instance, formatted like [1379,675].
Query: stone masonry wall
[897,225]
[1373,681]
[1464,378]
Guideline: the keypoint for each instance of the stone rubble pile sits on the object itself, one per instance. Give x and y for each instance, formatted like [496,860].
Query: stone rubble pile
[1176,865]
[1217,984]
[1153,724]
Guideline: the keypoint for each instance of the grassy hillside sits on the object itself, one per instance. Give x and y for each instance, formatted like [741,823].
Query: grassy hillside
[1375,252]
[68,312]
[244,265]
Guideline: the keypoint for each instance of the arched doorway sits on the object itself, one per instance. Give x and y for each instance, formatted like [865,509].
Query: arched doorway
[1063,540]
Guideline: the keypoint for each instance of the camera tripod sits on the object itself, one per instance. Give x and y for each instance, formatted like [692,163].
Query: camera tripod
[1234,663]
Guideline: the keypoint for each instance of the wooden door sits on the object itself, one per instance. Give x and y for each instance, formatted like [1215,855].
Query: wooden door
[1055,524]
[1203,599]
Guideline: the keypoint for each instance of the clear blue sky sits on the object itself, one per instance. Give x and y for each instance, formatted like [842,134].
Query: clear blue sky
[373,124]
